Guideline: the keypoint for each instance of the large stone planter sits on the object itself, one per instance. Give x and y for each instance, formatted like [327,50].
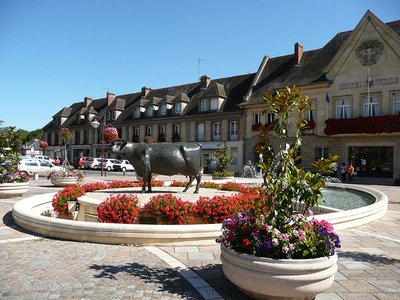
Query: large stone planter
[266,278]
[66,181]
[8,190]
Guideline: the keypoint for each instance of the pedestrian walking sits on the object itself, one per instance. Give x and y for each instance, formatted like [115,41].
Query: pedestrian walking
[343,171]
[350,172]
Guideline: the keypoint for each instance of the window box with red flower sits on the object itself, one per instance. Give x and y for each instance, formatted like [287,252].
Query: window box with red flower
[369,125]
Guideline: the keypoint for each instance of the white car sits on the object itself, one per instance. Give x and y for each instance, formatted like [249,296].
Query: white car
[109,163]
[37,166]
[124,166]
[92,163]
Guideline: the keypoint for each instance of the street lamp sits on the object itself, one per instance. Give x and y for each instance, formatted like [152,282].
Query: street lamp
[96,123]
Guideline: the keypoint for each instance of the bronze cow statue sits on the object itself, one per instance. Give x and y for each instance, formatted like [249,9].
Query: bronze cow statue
[163,158]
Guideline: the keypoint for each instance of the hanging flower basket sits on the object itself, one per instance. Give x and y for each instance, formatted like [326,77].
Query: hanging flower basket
[110,135]
[43,144]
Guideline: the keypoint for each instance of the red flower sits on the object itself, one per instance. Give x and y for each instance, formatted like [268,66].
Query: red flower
[246,242]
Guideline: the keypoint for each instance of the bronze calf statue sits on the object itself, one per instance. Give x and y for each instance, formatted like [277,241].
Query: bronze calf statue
[163,158]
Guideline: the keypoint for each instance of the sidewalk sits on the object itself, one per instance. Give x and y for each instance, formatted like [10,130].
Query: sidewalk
[32,267]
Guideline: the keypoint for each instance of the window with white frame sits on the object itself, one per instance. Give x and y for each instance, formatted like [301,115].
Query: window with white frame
[149,130]
[111,115]
[216,131]
[200,132]
[257,118]
[149,111]
[321,153]
[177,129]
[136,112]
[161,129]
[163,110]
[270,117]
[396,103]
[343,108]
[234,153]
[371,106]
[233,130]
[178,107]
[204,105]
[309,116]
[136,131]
[214,104]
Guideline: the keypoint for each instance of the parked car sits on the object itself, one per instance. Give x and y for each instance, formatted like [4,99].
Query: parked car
[109,163]
[37,166]
[124,166]
[80,161]
[92,163]
[45,157]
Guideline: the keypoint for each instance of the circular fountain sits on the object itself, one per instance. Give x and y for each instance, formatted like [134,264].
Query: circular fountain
[30,215]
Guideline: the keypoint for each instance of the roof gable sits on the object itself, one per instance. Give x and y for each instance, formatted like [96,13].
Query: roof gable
[368,26]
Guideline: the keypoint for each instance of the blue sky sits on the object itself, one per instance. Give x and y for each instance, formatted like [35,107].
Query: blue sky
[54,53]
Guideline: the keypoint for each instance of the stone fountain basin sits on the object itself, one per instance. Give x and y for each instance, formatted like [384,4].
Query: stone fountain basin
[27,213]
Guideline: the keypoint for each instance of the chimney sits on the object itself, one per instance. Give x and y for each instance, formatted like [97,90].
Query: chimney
[110,98]
[204,82]
[298,53]
[87,101]
[145,91]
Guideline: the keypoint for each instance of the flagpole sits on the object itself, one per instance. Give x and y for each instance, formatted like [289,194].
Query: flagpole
[369,79]
[368,99]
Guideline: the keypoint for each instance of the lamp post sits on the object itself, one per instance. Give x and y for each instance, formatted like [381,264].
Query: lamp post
[96,123]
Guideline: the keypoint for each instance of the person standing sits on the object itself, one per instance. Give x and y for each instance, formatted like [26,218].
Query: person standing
[343,171]
[350,171]
[334,169]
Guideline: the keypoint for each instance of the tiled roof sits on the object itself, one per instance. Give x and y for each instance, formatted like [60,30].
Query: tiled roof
[278,72]
[281,71]
[64,112]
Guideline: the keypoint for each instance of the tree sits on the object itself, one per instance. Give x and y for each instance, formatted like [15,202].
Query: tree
[10,141]
[65,135]
[223,162]
[290,189]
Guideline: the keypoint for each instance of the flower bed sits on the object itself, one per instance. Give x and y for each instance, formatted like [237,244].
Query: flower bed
[119,209]
[166,208]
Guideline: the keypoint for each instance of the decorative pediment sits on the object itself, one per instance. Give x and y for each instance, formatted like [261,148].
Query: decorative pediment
[367,42]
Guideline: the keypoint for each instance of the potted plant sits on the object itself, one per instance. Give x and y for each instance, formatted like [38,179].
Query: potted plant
[66,175]
[284,252]
[12,182]
[223,162]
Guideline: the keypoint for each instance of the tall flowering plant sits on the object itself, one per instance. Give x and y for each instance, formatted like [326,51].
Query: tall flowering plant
[283,231]
[10,140]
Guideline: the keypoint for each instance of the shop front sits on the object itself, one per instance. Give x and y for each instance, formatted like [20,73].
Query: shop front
[372,161]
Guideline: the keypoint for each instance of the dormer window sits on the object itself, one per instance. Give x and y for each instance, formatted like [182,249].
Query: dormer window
[57,122]
[111,115]
[150,111]
[214,104]
[204,105]
[163,110]
[136,112]
[209,104]
[178,107]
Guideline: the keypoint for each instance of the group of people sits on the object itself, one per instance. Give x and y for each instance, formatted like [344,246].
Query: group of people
[346,172]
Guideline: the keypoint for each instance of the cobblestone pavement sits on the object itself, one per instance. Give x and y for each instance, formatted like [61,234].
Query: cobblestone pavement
[33,267]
